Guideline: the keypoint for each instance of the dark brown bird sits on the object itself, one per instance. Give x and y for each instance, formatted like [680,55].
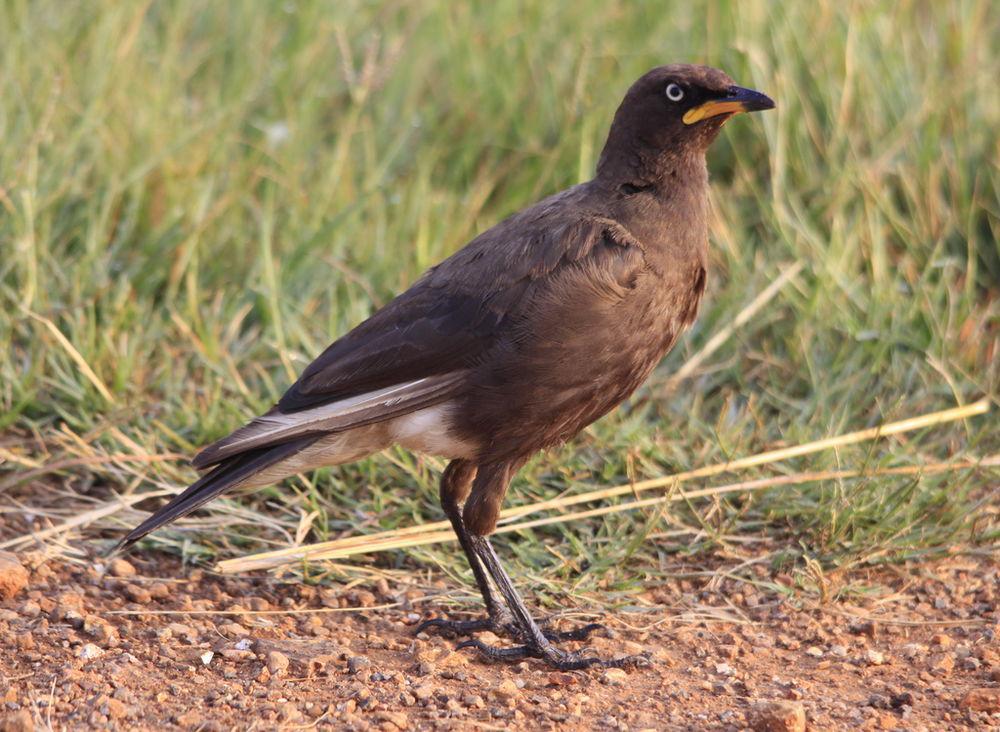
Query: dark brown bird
[535,329]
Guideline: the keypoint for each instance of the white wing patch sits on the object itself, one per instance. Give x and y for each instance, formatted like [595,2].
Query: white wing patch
[426,430]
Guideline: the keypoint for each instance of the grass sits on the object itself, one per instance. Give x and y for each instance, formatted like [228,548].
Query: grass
[196,197]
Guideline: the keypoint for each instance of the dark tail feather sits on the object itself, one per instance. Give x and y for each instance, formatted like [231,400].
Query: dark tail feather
[224,476]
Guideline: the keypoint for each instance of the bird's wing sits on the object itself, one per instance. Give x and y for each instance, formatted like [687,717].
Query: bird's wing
[414,352]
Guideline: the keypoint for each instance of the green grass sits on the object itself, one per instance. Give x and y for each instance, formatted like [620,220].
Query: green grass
[199,196]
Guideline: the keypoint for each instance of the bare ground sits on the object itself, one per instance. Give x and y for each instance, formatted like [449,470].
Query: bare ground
[85,646]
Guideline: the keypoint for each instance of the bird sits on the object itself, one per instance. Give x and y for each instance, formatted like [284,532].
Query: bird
[514,344]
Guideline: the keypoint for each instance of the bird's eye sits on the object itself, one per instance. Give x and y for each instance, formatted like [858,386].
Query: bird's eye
[674,92]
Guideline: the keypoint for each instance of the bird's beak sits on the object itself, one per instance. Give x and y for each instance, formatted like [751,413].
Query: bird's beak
[736,100]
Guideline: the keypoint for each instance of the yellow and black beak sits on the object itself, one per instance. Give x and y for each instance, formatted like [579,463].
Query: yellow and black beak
[736,100]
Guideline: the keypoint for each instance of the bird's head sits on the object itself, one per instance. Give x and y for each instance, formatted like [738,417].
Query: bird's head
[673,113]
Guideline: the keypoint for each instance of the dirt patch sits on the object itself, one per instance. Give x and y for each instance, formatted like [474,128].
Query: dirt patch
[149,644]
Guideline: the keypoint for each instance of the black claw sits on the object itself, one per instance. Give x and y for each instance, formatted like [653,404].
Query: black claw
[514,653]
[577,634]
[456,627]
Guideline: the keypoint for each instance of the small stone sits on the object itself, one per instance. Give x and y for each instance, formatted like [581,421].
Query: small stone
[137,594]
[399,720]
[236,654]
[941,640]
[474,701]
[277,662]
[31,609]
[971,663]
[561,679]
[723,669]
[19,721]
[839,651]
[942,664]
[206,657]
[913,650]
[615,677]
[873,657]
[905,698]
[814,652]
[986,699]
[777,716]
[506,691]
[13,577]
[88,651]
[356,664]
[423,692]
[121,568]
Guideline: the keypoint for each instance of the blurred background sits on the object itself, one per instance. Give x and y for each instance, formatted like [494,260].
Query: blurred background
[196,197]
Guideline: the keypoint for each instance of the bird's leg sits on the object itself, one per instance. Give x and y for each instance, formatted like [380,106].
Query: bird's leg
[536,644]
[479,517]
[455,485]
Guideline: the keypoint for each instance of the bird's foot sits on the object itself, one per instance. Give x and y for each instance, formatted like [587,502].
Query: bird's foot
[503,625]
[452,628]
[554,657]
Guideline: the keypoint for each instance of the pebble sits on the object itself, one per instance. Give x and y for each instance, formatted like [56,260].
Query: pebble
[358,663]
[399,720]
[137,594]
[777,716]
[277,662]
[874,658]
[121,568]
[423,692]
[814,652]
[13,576]
[942,664]
[941,640]
[507,691]
[616,676]
[88,651]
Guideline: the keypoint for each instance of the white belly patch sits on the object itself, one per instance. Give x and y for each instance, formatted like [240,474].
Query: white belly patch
[429,430]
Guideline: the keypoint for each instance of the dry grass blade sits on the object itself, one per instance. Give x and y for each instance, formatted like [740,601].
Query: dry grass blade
[440,531]
[74,354]
[378,542]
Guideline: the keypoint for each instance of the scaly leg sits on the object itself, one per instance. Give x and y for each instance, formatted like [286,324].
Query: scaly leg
[535,643]
[455,485]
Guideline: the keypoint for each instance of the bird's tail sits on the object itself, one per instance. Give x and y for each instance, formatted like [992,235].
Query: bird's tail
[230,473]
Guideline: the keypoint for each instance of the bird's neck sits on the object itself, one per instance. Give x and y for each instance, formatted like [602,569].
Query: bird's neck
[662,201]
[656,172]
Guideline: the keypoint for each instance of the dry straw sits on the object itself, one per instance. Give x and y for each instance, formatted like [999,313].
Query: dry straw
[440,531]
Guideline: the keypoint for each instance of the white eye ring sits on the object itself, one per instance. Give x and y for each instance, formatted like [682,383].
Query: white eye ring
[674,92]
